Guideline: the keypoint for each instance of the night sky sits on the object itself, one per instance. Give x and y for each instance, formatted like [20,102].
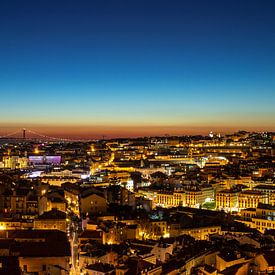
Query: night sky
[127,68]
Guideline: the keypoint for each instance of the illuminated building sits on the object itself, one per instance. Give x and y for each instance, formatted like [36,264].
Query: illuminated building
[227,200]
[44,160]
[98,256]
[169,199]
[58,177]
[161,250]
[231,182]
[10,224]
[107,232]
[119,195]
[265,263]
[71,193]
[260,172]
[20,201]
[198,233]
[262,218]
[267,189]
[229,149]
[215,161]
[84,200]
[41,251]
[92,203]
[226,259]
[57,181]
[196,197]
[153,229]
[251,199]
[130,185]
[14,162]
[272,199]
[51,201]
[119,176]
[146,172]
[79,174]
[164,198]
[51,220]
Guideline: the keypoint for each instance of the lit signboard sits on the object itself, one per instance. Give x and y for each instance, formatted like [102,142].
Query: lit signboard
[45,160]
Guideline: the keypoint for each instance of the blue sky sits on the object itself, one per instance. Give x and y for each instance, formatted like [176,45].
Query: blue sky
[178,65]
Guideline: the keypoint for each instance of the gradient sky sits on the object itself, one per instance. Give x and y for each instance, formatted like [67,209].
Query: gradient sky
[137,67]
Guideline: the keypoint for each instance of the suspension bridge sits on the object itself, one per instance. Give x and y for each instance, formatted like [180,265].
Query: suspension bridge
[30,135]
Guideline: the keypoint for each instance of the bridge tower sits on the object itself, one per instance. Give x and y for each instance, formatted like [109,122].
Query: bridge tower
[24,133]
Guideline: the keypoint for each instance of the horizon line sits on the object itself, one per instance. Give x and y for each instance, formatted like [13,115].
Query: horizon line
[87,137]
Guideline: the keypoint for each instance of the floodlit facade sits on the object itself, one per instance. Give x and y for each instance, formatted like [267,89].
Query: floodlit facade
[251,199]
[227,200]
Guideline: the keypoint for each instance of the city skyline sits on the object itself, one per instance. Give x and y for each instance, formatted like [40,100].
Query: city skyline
[114,132]
[137,68]
[137,137]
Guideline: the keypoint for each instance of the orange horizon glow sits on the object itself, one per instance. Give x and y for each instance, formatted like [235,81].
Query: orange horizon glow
[111,131]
